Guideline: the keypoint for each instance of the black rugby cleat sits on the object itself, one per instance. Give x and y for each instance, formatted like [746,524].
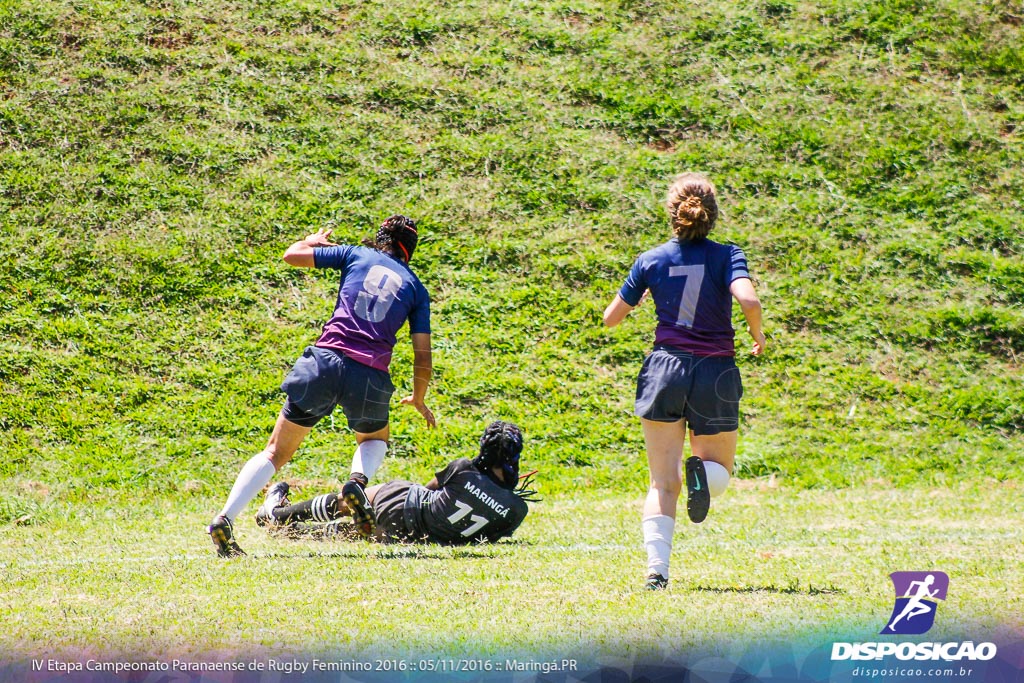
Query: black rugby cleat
[362,512]
[223,536]
[698,498]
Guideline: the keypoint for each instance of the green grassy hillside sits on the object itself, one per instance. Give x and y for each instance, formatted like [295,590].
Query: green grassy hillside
[157,157]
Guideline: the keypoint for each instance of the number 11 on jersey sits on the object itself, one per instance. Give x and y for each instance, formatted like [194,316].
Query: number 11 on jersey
[464,509]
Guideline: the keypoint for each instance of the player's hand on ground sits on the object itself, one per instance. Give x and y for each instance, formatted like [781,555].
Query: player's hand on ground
[320,238]
[426,412]
[759,343]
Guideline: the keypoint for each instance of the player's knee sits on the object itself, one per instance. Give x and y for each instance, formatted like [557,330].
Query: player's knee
[669,487]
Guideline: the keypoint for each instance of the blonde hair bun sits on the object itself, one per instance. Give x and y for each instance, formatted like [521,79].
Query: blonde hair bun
[692,206]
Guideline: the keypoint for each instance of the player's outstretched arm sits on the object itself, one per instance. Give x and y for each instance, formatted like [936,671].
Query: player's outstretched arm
[742,290]
[300,254]
[422,370]
[616,312]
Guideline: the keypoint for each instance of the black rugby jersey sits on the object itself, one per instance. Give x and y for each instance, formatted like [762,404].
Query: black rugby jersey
[467,507]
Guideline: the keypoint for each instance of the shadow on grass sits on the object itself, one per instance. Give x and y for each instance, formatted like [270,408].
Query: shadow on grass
[344,533]
[393,552]
[791,589]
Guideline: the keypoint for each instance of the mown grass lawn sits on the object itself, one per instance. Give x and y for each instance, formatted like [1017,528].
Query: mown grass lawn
[770,565]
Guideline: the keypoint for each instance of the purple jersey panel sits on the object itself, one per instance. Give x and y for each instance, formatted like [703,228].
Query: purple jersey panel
[377,295]
[689,282]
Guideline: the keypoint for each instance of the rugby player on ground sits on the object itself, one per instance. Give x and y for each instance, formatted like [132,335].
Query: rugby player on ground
[466,502]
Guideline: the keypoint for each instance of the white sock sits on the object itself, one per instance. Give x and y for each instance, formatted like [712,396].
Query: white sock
[658,541]
[368,457]
[255,474]
[718,478]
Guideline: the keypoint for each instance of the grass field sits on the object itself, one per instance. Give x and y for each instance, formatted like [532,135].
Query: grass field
[770,565]
[156,158]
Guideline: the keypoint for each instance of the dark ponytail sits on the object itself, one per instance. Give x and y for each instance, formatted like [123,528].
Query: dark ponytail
[397,236]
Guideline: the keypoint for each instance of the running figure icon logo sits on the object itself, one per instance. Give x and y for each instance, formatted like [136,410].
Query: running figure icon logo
[917,596]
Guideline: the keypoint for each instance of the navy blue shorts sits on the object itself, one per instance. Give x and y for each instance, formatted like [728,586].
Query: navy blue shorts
[704,390]
[321,379]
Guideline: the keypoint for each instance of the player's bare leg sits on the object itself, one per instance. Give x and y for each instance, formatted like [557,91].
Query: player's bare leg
[284,441]
[664,443]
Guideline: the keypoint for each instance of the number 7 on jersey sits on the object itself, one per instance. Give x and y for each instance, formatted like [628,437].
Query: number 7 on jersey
[691,291]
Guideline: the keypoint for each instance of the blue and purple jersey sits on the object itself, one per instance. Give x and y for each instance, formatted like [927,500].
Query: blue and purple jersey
[377,295]
[689,282]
